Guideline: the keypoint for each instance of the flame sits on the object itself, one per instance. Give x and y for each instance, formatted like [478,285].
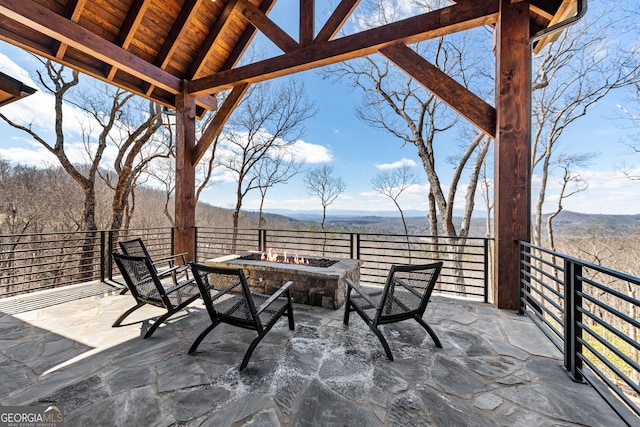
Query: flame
[272,256]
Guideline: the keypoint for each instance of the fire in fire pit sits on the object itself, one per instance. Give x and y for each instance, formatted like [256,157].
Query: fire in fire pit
[270,256]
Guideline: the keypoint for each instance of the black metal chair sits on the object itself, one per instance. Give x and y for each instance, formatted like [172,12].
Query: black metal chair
[228,300]
[147,288]
[405,296]
[136,247]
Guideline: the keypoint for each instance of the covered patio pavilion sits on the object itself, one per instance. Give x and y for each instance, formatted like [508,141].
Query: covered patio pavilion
[182,54]
[495,367]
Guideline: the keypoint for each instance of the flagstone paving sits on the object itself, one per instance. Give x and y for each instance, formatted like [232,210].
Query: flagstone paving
[496,368]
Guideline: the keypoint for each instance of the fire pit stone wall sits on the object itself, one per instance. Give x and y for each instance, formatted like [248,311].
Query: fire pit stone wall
[319,286]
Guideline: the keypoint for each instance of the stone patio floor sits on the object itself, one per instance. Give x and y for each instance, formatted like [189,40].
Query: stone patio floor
[496,368]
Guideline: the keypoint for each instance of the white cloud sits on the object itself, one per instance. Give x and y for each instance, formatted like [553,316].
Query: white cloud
[310,153]
[396,165]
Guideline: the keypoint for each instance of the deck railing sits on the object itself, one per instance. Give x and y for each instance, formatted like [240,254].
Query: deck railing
[592,315]
[466,261]
[32,262]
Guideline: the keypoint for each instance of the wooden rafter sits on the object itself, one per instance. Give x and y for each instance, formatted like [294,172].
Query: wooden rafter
[129,27]
[458,97]
[73,12]
[205,50]
[269,28]
[217,123]
[307,15]
[336,20]
[440,22]
[177,30]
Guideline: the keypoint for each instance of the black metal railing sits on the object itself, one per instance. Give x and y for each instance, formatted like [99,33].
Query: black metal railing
[591,314]
[465,272]
[41,261]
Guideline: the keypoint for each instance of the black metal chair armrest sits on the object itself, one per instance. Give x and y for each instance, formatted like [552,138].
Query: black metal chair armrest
[179,285]
[361,292]
[272,298]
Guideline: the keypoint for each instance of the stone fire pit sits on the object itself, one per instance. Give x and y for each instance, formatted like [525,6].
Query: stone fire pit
[323,286]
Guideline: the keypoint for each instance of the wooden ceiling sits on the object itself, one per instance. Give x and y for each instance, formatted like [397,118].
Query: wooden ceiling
[154,48]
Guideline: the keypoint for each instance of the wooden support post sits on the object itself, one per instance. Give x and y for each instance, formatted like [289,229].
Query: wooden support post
[185,202]
[512,198]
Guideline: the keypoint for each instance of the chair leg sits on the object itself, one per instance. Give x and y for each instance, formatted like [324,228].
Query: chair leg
[430,331]
[292,324]
[347,310]
[157,323]
[249,352]
[126,313]
[383,341]
[203,334]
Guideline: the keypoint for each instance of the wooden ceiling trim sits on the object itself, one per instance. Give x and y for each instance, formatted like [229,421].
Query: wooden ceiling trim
[43,20]
[217,123]
[437,23]
[269,28]
[198,62]
[73,12]
[307,15]
[336,20]
[458,97]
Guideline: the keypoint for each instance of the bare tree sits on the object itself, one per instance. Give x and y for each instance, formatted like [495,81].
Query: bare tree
[571,76]
[125,125]
[320,182]
[392,184]
[269,118]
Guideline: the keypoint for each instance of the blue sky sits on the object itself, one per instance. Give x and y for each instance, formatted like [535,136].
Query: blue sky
[356,151]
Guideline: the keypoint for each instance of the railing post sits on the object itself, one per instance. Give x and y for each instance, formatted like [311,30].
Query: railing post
[521,305]
[572,320]
[109,255]
[102,256]
[195,244]
[486,270]
[264,241]
[358,246]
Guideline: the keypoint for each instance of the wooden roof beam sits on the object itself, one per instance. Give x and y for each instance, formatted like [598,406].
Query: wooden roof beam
[73,12]
[198,62]
[455,95]
[269,28]
[245,39]
[336,20]
[307,24]
[129,26]
[43,20]
[437,23]
[177,30]
[217,123]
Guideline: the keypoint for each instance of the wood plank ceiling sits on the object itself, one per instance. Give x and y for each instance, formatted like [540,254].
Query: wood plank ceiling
[155,47]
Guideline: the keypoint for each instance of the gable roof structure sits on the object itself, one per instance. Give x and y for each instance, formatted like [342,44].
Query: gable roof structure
[150,47]
[183,53]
